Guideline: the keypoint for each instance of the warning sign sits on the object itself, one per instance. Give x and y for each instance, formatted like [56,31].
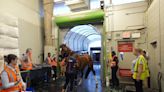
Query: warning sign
[125,46]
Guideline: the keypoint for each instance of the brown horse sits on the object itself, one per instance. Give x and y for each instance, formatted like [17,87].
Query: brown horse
[82,61]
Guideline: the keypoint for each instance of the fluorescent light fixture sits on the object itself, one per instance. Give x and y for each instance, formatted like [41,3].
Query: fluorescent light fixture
[61,8]
[118,2]
[58,0]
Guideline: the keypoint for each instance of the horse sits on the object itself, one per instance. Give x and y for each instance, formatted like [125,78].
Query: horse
[82,61]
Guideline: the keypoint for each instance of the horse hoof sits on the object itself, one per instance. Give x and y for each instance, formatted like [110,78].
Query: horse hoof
[96,82]
[80,82]
[96,85]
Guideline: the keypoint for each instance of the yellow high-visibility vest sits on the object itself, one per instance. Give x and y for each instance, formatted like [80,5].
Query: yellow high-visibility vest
[110,56]
[145,72]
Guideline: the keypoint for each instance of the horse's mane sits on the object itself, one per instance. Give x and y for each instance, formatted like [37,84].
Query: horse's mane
[70,52]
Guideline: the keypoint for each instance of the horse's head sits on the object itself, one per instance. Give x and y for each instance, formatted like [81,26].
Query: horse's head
[65,51]
[63,47]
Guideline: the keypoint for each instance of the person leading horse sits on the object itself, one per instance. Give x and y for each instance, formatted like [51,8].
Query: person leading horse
[82,61]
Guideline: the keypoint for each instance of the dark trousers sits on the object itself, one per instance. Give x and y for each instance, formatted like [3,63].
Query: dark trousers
[55,72]
[115,80]
[88,71]
[148,82]
[69,79]
[138,85]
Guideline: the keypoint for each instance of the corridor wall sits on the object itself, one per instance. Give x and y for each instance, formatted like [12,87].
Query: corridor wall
[9,35]
[140,42]
[162,39]
[127,18]
[155,24]
[29,24]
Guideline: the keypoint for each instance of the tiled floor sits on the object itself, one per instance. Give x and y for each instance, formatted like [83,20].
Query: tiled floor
[54,86]
[88,85]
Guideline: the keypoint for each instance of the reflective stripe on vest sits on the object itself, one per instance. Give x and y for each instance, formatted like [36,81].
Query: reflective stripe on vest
[145,72]
[13,77]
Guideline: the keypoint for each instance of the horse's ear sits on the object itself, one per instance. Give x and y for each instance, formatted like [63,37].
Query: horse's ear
[62,45]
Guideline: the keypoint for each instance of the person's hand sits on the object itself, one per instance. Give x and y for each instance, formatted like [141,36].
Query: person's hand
[138,79]
[33,65]
[17,82]
[24,87]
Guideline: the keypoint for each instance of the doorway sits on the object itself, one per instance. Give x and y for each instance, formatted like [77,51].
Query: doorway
[82,39]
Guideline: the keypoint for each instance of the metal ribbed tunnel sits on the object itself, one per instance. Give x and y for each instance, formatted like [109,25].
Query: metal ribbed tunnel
[79,37]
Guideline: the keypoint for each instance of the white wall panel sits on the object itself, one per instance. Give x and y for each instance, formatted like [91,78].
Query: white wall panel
[162,39]
[127,17]
[153,17]
[9,34]
[8,30]
[8,19]
[8,42]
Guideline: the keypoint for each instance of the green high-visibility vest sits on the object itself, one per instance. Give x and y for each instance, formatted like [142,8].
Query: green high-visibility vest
[145,72]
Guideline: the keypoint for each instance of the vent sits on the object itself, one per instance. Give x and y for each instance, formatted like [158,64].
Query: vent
[118,36]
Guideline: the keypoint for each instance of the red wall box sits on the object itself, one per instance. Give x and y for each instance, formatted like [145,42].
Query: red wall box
[125,46]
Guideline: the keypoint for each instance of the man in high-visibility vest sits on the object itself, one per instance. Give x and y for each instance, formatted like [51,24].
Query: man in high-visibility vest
[48,59]
[147,82]
[54,67]
[26,64]
[139,69]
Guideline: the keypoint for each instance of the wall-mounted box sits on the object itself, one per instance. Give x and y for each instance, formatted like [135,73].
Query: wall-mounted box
[136,35]
[126,35]
[109,36]
[118,36]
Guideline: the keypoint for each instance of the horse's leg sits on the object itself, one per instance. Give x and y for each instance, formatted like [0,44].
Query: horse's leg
[95,76]
[82,74]
[76,75]
[94,73]
[87,73]
[81,77]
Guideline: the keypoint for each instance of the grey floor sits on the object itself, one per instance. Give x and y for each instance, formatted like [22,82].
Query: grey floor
[88,85]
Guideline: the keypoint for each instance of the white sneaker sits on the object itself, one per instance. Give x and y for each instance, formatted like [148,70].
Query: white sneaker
[97,82]
[80,82]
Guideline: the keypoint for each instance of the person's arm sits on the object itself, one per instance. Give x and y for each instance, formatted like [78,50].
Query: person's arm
[30,61]
[5,81]
[23,83]
[49,61]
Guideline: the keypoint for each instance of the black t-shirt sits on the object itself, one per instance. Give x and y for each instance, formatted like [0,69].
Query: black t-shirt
[115,59]
[70,65]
